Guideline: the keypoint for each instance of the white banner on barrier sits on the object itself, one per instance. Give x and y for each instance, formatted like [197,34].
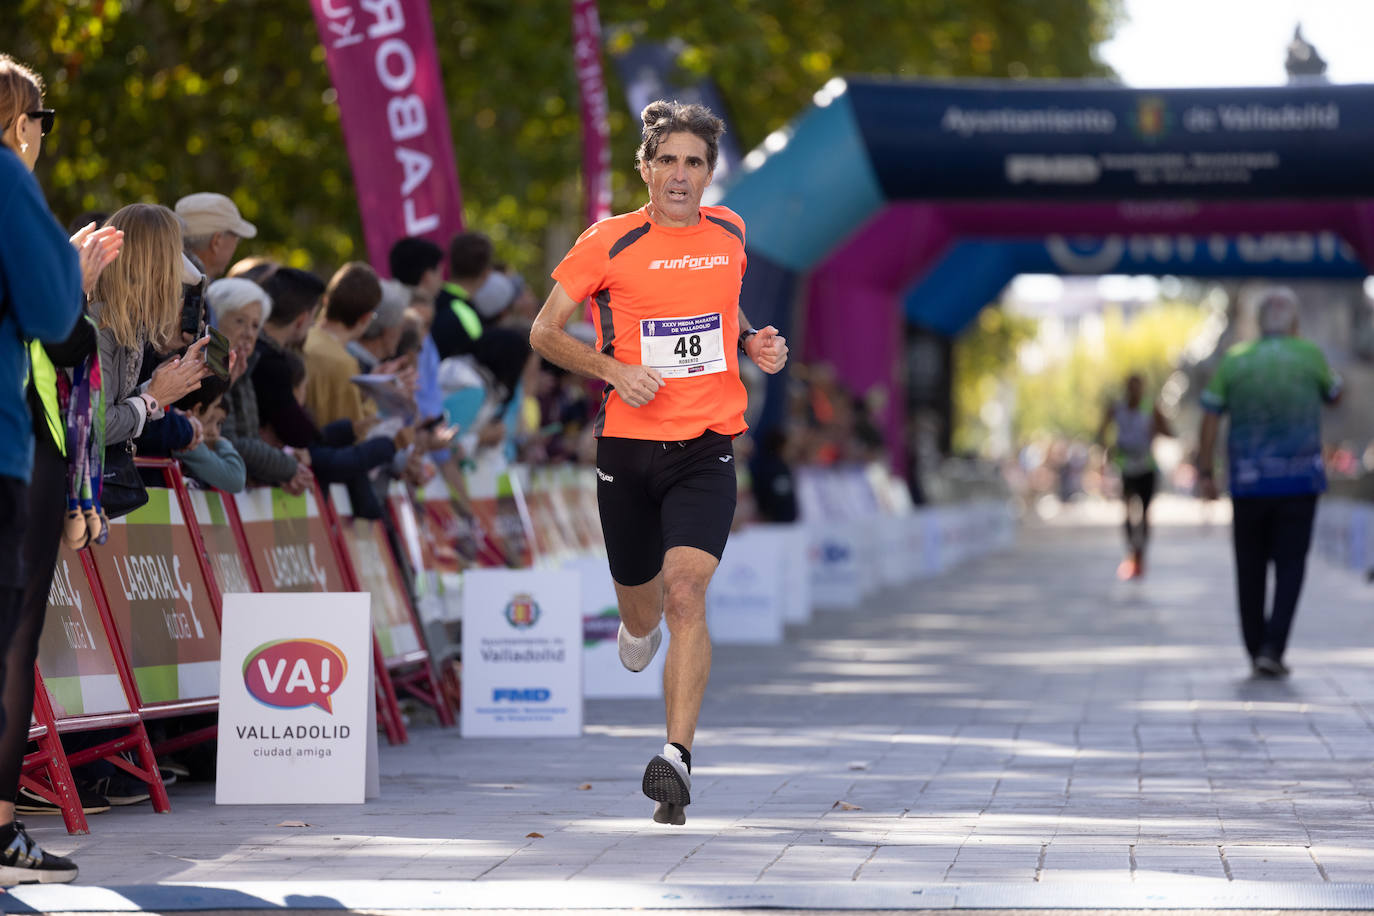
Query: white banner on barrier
[835,570]
[795,573]
[522,653]
[745,599]
[603,676]
[294,699]
[895,566]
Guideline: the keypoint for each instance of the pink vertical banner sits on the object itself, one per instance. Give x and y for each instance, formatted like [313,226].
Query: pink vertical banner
[596,129]
[385,68]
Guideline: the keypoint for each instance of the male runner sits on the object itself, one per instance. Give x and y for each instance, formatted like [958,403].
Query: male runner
[665,280]
[1137,422]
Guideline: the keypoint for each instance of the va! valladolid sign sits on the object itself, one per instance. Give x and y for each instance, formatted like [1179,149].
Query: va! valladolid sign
[295,697]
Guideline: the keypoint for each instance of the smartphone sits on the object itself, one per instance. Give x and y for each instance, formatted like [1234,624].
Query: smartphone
[193,309]
[217,353]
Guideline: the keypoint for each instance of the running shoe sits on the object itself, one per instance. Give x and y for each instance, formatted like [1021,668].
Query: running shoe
[22,861]
[1268,666]
[32,803]
[122,789]
[637,651]
[669,783]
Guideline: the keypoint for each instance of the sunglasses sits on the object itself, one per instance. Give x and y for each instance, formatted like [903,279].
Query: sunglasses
[46,115]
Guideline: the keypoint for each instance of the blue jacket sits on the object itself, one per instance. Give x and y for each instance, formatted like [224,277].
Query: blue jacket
[40,297]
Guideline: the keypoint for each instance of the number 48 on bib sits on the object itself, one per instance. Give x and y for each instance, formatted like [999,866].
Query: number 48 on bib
[682,347]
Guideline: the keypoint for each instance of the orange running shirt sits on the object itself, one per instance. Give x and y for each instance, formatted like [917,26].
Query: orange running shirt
[668,297]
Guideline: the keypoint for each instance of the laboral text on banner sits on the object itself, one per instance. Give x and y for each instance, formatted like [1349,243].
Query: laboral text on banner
[385,68]
[596,128]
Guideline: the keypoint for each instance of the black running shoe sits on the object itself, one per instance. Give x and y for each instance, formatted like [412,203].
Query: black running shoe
[122,789]
[22,861]
[669,783]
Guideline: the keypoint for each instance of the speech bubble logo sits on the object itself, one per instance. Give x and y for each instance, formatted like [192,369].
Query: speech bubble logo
[294,673]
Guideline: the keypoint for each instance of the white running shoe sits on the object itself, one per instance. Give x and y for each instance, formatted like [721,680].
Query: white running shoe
[637,652]
[669,783]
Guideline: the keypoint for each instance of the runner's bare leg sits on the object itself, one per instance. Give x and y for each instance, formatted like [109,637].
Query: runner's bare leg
[686,573]
[641,606]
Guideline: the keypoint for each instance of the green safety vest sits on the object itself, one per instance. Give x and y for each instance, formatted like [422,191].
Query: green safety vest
[44,375]
[463,310]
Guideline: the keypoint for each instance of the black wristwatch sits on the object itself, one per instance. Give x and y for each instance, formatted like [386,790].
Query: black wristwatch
[745,335]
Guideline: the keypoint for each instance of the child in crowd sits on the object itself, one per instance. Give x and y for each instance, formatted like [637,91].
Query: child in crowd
[214,462]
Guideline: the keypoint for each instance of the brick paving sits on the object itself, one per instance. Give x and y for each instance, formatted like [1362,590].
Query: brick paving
[1024,721]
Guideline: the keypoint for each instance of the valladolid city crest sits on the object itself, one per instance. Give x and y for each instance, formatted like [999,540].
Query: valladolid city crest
[522,612]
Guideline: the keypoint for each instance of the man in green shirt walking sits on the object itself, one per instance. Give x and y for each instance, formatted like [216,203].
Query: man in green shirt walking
[1273,389]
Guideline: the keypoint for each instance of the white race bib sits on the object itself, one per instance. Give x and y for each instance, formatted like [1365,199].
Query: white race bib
[683,347]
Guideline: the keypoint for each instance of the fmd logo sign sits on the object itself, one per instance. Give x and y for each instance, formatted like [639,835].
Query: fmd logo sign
[520,695]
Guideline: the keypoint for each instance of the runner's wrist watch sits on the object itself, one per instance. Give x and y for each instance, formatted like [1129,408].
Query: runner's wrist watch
[745,335]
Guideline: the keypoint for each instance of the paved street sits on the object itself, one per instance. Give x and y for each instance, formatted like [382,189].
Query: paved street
[1022,724]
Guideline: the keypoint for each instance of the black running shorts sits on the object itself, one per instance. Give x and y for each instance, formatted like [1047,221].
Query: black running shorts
[1141,485]
[654,496]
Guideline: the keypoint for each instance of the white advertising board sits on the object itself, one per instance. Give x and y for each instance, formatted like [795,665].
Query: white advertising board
[295,692]
[745,598]
[795,572]
[522,653]
[836,573]
[603,676]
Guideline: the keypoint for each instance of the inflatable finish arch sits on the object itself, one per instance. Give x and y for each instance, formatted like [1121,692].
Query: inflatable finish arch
[890,202]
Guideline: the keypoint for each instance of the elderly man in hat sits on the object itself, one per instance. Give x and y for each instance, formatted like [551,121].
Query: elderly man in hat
[213,229]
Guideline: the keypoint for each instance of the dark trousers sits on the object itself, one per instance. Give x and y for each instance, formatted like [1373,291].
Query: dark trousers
[1277,530]
[1138,490]
[46,504]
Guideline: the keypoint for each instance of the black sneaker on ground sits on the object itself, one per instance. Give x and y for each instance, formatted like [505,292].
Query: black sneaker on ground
[31,803]
[22,861]
[121,789]
[1268,666]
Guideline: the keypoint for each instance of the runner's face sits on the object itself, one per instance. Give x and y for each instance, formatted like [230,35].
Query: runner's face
[676,178]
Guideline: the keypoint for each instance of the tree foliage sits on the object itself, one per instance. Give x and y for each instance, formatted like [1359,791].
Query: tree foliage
[158,98]
[984,357]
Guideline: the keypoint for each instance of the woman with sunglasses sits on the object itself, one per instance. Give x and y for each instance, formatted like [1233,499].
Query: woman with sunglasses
[40,297]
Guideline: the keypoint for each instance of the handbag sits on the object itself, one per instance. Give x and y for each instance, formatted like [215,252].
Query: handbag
[121,487]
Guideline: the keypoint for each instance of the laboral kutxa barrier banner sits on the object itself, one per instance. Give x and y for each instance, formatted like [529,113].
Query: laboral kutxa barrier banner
[221,546]
[74,654]
[378,575]
[289,541]
[295,697]
[160,603]
[385,69]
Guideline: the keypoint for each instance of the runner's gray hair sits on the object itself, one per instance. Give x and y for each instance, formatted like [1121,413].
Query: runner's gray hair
[1278,311]
[662,118]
